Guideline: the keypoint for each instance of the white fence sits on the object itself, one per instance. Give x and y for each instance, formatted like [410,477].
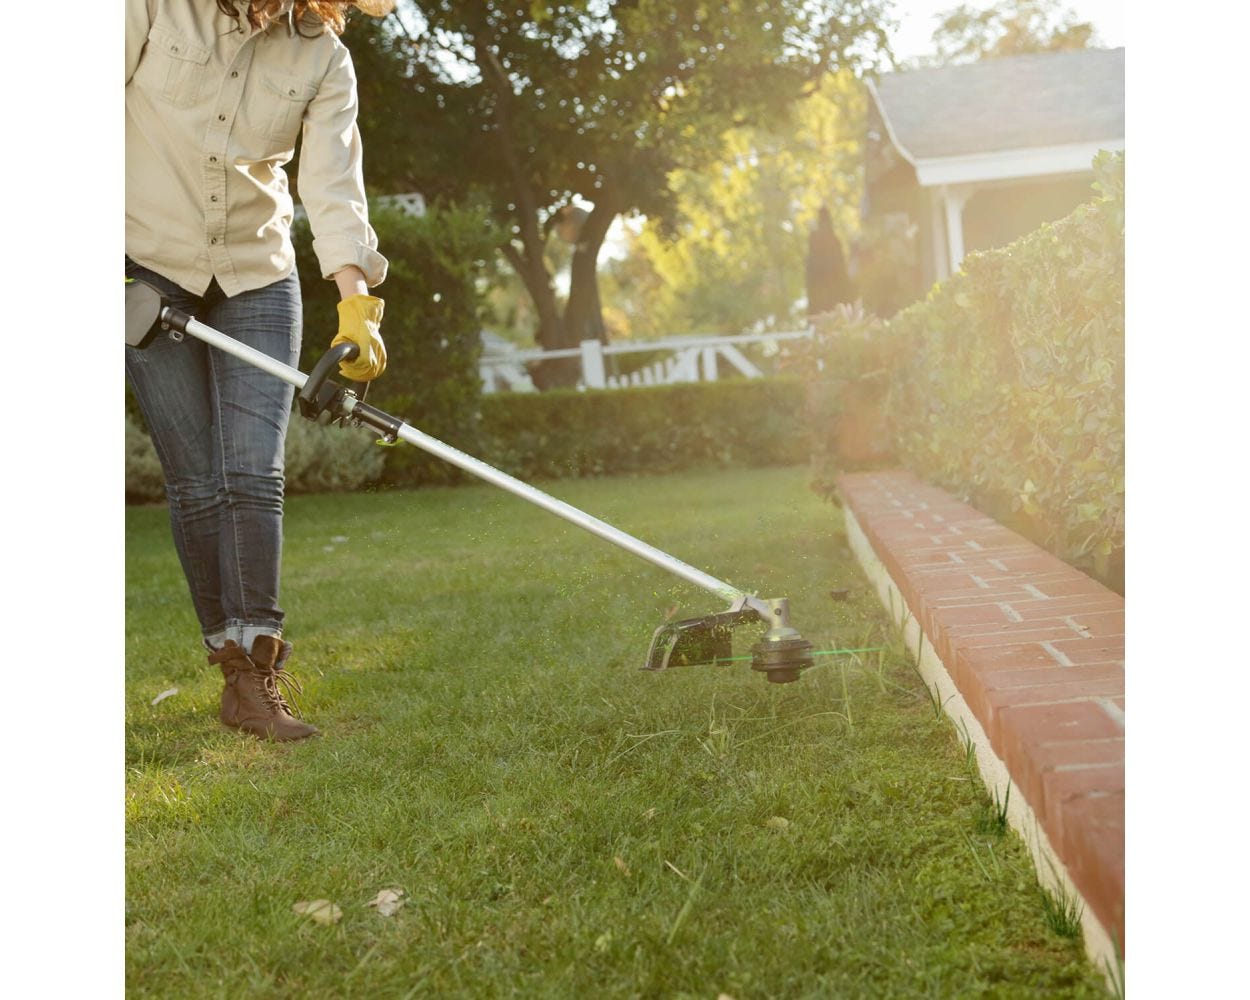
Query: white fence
[690,359]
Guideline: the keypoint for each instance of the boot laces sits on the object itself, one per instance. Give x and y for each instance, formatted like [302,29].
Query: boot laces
[275,682]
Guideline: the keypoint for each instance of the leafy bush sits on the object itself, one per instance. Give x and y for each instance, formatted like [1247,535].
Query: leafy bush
[319,459]
[652,429]
[145,481]
[1006,385]
[325,459]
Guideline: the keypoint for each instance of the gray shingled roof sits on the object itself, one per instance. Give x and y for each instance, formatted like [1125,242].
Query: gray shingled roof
[1012,102]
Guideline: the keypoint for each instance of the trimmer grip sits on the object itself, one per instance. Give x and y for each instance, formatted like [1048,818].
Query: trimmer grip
[311,400]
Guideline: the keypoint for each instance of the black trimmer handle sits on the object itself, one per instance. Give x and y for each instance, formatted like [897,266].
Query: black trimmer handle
[312,400]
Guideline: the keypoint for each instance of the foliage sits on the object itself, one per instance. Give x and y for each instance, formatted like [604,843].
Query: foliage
[325,459]
[433,314]
[319,459]
[1007,383]
[145,481]
[535,106]
[568,434]
[887,263]
[1008,28]
[733,252]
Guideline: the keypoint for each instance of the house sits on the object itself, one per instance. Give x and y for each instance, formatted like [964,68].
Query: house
[975,156]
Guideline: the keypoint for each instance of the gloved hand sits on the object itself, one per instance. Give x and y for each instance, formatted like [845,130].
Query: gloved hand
[360,317]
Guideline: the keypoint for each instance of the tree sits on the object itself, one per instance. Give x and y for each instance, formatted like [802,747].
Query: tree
[828,283]
[733,254]
[528,107]
[1008,28]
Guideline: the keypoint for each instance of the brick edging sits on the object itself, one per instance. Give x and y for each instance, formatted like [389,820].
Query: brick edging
[1034,650]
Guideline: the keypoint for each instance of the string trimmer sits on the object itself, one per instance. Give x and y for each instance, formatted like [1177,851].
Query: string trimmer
[780,654]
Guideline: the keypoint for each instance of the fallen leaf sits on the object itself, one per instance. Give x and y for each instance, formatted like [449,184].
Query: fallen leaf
[603,941]
[169,693]
[387,901]
[620,864]
[777,823]
[650,813]
[337,539]
[320,910]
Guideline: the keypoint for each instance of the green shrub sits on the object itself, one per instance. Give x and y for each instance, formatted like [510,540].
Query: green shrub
[319,459]
[1006,384]
[144,480]
[652,429]
[432,323]
[325,459]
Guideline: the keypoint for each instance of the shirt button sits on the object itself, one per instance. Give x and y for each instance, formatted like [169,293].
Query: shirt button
[234,74]
[221,118]
[212,159]
[213,240]
[212,198]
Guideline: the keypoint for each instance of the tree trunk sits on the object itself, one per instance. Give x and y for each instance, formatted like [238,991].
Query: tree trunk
[583,316]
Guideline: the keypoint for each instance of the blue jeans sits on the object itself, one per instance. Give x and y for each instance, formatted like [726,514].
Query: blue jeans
[219,427]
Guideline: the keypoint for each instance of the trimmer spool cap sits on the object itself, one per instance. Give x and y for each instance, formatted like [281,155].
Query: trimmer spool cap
[782,653]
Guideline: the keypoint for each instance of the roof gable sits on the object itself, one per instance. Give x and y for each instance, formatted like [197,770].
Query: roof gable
[1011,102]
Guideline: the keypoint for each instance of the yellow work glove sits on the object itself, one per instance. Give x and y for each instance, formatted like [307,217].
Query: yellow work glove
[360,317]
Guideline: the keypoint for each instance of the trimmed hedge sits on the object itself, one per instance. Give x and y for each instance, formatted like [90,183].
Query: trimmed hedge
[319,459]
[553,435]
[653,429]
[1006,385]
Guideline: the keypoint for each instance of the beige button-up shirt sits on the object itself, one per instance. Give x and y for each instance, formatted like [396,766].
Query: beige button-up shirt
[213,110]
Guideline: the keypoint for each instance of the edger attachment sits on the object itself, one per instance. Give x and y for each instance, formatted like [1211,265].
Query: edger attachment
[781,654]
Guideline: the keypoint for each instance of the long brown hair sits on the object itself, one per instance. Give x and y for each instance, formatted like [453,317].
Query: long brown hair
[332,14]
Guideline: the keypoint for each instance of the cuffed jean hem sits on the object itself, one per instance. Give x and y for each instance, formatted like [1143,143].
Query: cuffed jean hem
[243,635]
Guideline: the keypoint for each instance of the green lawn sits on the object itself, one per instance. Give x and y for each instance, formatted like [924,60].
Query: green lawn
[562,823]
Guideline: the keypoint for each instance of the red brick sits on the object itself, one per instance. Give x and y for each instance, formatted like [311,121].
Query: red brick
[1017,730]
[1045,759]
[1102,624]
[1074,606]
[1050,674]
[1016,636]
[989,702]
[1067,585]
[1092,848]
[1091,650]
[968,663]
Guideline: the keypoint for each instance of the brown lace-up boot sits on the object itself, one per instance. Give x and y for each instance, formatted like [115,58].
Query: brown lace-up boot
[252,700]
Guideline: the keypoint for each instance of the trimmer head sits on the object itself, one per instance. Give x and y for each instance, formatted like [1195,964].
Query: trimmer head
[781,654]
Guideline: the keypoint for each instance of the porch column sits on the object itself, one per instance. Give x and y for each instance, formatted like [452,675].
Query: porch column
[954,198]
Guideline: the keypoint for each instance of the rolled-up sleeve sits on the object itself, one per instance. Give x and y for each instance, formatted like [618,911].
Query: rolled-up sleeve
[331,177]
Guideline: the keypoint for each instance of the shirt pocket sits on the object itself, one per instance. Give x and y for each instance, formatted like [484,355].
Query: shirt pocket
[177,68]
[287,97]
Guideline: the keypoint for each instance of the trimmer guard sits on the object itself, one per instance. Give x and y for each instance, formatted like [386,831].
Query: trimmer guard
[781,654]
[696,640]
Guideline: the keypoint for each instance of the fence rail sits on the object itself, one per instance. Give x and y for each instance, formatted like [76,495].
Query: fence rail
[690,359]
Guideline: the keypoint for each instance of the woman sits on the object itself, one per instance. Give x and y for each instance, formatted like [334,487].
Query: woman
[216,96]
